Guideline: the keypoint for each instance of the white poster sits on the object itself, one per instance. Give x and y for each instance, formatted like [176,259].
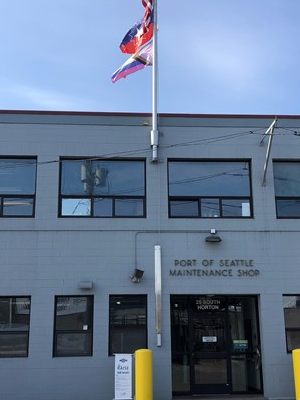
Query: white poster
[123,376]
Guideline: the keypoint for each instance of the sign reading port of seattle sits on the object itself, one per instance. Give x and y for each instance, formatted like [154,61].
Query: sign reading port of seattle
[241,268]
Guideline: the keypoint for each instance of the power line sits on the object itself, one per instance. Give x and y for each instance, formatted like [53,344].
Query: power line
[146,150]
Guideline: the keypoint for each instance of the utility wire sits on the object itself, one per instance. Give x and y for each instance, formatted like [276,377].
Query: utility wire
[146,150]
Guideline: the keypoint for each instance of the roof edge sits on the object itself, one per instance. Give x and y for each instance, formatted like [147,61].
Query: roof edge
[133,114]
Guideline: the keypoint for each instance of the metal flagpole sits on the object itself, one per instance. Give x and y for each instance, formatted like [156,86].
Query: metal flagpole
[154,145]
[154,131]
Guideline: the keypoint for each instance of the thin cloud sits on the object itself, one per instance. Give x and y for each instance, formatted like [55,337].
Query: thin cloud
[45,99]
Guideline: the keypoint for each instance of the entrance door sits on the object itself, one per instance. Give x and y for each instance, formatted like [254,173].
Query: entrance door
[209,357]
[215,345]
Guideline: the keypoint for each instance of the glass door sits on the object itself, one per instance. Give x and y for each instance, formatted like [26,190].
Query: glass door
[215,345]
[209,361]
[245,345]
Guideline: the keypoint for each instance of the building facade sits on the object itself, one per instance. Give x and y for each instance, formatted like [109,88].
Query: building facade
[193,255]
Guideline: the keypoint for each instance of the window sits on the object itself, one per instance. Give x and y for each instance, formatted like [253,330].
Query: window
[209,189]
[17,187]
[102,188]
[287,189]
[14,326]
[73,326]
[291,308]
[127,323]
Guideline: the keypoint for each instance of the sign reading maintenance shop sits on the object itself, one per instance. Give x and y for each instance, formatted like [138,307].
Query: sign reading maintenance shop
[224,267]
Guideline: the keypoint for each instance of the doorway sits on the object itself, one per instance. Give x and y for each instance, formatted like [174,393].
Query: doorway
[209,358]
[215,345]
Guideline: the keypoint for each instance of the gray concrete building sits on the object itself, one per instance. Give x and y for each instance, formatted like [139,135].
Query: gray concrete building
[104,251]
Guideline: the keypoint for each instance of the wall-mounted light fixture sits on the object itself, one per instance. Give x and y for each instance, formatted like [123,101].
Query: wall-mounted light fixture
[137,275]
[85,285]
[213,238]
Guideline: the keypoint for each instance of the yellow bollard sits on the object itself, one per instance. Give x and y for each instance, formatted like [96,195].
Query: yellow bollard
[296,364]
[143,375]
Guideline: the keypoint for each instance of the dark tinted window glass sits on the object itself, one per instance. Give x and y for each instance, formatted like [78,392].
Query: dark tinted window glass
[236,208]
[73,344]
[17,187]
[17,176]
[127,323]
[73,326]
[14,326]
[17,206]
[102,188]
[129,207]
[209,189]
[72,183]
[122,178]
[288,208]
[210,208]
[291,307]
[209,179]
[287,189]
[287,179]
[184,208]
[103,207]
[110,178]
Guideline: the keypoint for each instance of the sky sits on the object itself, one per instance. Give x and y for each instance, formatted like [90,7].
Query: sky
[214,56]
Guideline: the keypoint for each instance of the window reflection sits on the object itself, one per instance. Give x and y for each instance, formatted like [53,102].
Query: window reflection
[129,207]
[286,179]
[289,208]
[184,208]
[210,208]
[287,189]
[73,326]
[206,341]
[110,188]
[17,176]
[209,178]
[211,371]
[14,326]
[103,207]
[237,208]
[17,206]
[17,187]
[76,207]
[221,188]
[291,307]
[127,323]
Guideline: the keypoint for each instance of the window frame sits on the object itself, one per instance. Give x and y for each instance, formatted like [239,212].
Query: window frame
[31,196]
[219,199]
[93,197]
[286,330]
[18,332]
[278,199]
[112,329]
[88,332]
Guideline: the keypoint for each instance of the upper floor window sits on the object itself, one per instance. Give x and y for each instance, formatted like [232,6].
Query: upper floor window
[209,189]
[102,188]
[17,187]
[73,326]
[14,326]
[287,189]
